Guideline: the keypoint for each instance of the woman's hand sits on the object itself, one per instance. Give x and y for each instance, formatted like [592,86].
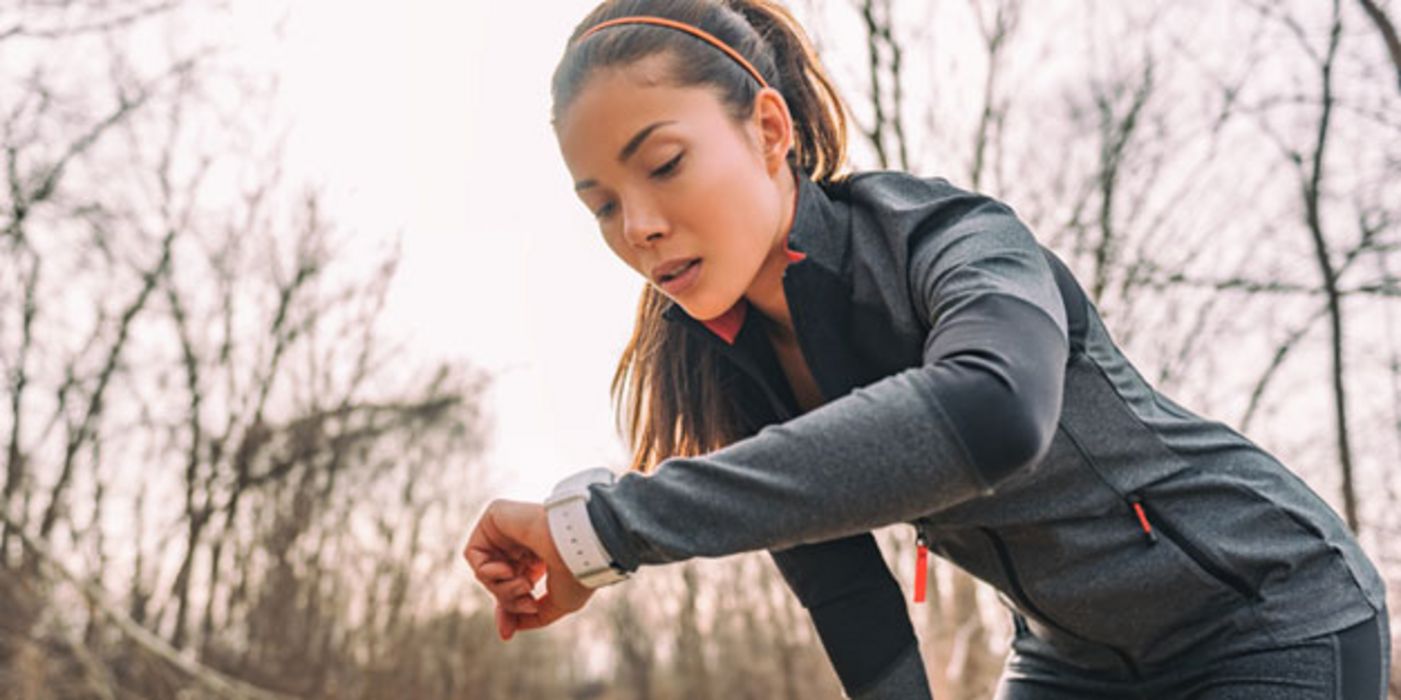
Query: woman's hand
[509,550]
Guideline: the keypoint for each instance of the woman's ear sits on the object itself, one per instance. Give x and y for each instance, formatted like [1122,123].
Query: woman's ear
[775,126]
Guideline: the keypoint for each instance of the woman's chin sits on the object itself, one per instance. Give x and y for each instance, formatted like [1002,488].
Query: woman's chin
[709,311]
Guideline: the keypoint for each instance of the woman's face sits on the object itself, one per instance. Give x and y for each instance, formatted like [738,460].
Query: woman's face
[670,176]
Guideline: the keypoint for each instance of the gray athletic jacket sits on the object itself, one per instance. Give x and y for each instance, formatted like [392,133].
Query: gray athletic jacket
[972,391]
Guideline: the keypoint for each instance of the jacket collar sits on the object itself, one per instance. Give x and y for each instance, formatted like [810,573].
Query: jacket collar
[815,238]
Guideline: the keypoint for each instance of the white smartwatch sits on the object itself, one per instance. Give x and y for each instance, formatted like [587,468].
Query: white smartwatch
[573,533]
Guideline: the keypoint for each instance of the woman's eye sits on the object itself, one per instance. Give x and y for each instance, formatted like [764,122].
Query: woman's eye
[669,168]
[665,171]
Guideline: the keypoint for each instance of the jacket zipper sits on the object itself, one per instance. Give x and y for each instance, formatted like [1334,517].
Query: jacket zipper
[922,568]
[1144,510]
[747,366]
[782,410]
[921,561]
[1014,582]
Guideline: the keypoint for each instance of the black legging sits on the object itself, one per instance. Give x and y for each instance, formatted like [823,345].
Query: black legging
[1350,664]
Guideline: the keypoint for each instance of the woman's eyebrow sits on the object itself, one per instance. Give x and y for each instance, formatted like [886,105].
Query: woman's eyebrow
[628,149]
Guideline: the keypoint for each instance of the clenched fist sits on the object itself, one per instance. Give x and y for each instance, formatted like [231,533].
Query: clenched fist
[509,549]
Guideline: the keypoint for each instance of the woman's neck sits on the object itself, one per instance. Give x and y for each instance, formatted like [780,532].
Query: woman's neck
[767,293]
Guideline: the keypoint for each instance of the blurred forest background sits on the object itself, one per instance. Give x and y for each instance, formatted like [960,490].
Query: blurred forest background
[221,477]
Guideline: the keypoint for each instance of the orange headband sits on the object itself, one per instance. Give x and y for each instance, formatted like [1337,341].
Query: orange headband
[694,31]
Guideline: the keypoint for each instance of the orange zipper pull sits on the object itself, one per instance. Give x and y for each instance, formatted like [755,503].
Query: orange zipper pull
[921,566]
[1143,519]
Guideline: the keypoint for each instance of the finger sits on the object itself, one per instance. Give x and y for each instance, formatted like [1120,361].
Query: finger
[507,591]
[487,542]
[505,588]
[548,613]
[512,623]
[527,563]
[511,557]
[495,572]
[503,624]
[497,567]
[479,552]
[505,584]
[523,605]
[494,564]
[536,570]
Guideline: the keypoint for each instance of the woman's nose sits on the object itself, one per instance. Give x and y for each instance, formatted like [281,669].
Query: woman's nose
[641,223]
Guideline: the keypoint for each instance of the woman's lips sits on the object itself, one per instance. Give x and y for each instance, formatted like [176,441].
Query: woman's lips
[688,276]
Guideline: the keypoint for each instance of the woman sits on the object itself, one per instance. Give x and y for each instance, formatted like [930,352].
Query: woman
[818,355]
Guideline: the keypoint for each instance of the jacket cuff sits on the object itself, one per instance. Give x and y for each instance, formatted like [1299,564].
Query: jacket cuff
[904,679]
[610,532]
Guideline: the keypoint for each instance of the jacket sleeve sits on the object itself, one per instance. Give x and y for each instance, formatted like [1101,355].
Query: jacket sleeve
[860,616]
[983,404]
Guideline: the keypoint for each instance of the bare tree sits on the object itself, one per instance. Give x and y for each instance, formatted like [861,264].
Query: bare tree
[1388,32]
[228,355]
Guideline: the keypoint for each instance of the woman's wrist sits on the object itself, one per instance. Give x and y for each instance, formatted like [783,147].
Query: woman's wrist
[572,533]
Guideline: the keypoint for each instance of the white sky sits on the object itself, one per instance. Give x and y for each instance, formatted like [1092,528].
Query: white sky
[433,120]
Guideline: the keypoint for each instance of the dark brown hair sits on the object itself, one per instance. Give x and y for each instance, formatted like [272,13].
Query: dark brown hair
[672,394]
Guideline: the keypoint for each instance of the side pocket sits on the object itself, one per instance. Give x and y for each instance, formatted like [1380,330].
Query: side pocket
[1109,580]
[1260,531]
[1154,520]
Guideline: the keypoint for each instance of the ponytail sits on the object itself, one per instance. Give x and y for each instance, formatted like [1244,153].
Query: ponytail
[819,117]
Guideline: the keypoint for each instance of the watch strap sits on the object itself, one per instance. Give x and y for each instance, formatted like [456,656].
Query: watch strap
[573,532]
